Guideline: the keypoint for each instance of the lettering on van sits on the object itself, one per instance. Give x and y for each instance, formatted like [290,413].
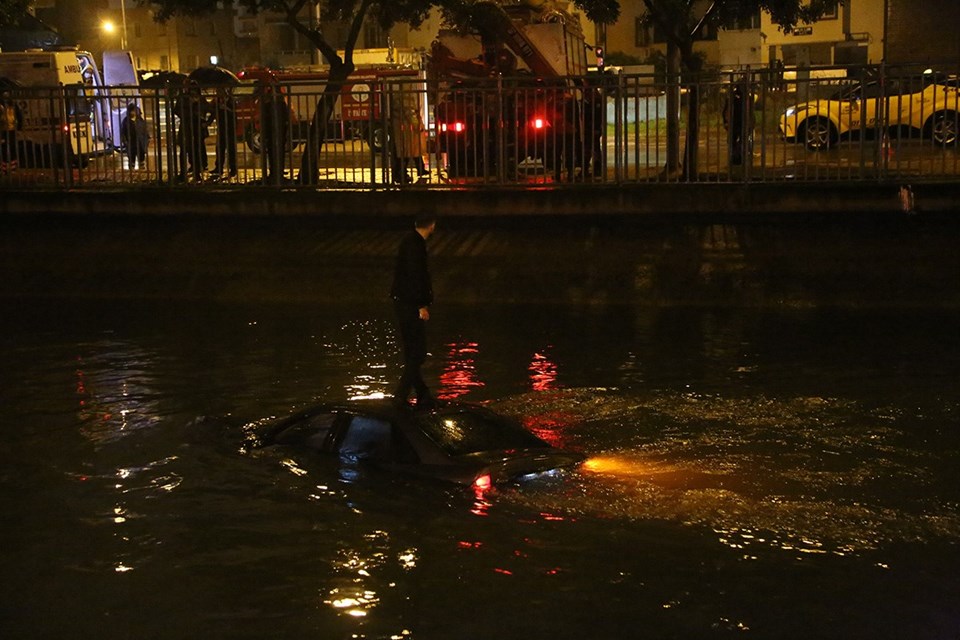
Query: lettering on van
[71,68]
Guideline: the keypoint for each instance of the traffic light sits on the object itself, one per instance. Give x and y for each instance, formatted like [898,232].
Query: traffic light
[599,51]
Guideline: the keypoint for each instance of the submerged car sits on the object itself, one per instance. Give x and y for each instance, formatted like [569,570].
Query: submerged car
[926,104]
[462,443]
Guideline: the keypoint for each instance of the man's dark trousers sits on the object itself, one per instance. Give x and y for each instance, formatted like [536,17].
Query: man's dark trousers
[413,336]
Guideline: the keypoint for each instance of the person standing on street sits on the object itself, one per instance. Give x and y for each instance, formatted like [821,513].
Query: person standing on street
[412,294]
[225,110]
[11,121]
[134,137]
[274,121]
[193,112]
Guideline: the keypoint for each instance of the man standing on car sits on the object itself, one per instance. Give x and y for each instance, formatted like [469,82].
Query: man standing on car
[412,295]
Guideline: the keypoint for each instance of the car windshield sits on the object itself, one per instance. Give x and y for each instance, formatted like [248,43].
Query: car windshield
[466,432]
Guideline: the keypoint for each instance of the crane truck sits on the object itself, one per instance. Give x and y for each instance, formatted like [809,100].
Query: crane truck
[511,97]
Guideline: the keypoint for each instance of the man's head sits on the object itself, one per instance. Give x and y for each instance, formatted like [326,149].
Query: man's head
[425,224]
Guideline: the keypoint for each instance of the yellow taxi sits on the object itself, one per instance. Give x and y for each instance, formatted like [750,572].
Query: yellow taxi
[927,104]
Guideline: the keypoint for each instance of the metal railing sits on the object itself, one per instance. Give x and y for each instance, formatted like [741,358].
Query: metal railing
[865,123]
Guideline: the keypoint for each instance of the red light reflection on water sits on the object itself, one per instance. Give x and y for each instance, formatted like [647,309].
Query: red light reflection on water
[543,373]
[548,427]
[459,375]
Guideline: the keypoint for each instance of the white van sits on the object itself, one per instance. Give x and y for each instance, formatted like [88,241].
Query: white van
[65,110]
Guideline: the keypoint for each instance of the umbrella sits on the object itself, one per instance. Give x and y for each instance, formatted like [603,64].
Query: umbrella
[163,79]
[214,77]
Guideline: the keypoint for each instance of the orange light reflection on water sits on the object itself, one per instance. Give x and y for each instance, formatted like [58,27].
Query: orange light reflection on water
[616,466]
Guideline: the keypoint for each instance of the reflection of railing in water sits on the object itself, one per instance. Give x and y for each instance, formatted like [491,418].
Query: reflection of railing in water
[523,132]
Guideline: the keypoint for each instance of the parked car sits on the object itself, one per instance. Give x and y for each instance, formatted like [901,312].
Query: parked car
[462,443]
[927,104]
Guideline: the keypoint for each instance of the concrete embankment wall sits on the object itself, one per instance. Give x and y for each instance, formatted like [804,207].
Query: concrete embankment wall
[552,246]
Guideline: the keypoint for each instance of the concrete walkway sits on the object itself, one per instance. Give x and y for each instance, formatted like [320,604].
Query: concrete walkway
[715,202]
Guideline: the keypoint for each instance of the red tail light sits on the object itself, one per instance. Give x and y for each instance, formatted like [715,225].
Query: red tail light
[538,123]
[483,482]
[457,127]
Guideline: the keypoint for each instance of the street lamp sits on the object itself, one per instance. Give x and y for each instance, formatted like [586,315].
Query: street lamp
[109,27]
[123,19]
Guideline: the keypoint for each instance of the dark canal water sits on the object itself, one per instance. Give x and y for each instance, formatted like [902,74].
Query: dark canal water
[756,474]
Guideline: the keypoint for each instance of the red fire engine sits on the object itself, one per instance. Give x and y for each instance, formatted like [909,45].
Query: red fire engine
[357,113]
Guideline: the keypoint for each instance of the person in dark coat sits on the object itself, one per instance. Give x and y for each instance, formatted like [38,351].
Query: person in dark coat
[738,119]
[134,137]
[274,120]
[226,113]
[193,111]
[412,294]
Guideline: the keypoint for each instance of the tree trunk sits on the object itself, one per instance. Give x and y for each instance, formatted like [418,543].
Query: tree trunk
[673,110]
[317,132]
[692,150]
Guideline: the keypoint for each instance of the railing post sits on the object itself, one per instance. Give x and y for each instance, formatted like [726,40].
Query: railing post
[617,127]
[883,104]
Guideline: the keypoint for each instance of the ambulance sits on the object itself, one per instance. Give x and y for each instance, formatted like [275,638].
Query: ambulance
[64,107]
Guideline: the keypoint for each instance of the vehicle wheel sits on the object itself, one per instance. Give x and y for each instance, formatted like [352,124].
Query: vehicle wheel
[818,134]
[943,128]
[379,138]
[252,137]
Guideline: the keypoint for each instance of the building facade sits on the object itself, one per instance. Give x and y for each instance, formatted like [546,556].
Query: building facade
[928,36]
[855,32]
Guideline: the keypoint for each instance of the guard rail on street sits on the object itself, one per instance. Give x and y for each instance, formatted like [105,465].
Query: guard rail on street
[749,125]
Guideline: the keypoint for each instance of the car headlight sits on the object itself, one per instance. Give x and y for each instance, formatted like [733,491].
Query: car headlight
[790,111]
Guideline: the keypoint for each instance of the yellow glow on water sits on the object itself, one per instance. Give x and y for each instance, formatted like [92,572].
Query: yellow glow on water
[293,467]
[634,467]
[355,602]
[616,466]
[361,395]
[662,474]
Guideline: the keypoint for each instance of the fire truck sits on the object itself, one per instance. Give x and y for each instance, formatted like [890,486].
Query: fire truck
[358,111]
[511,97]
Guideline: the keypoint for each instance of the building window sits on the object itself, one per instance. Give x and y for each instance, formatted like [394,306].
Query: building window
[190,28]
[829,14]
[136,30]
[743,23]
[641,33]
[647,33]
[161,29]
[707,32]
[213,28]
[164,63]
[373,36]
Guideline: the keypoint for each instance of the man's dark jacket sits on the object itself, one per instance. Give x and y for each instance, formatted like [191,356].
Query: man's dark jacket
[411,278]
